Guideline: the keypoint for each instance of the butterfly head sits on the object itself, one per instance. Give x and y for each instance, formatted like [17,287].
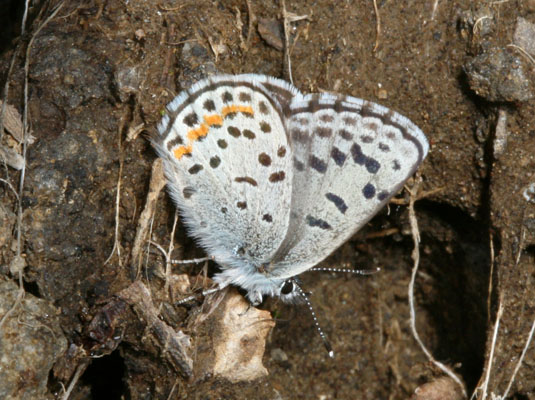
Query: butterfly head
[259,284]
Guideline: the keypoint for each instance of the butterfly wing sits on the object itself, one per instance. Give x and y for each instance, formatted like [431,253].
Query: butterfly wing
[350,157]
[224,147]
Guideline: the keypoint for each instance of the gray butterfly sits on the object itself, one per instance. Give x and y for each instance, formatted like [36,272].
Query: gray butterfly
[271,181]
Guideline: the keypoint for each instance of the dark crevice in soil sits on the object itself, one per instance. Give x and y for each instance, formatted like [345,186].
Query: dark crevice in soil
[460,267]
[32,288]
[105,377]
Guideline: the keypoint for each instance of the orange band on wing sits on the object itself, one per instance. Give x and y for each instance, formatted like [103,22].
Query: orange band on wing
[235,108]
[213,119]
[195,134]
[180,151]
[209,120]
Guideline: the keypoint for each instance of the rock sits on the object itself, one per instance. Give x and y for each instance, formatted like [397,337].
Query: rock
[31,340]
[498,75]
[234,338]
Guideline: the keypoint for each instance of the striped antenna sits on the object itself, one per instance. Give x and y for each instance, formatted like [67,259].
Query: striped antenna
[351,271]
[318,327]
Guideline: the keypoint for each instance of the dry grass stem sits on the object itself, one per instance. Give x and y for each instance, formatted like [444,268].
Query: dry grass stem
[116,243]
[520,360]
[164,8]
[523,52]
[491,356]
[491,277]
[169,252]
[434,11]
[377,25]
[287,60]
[77,374]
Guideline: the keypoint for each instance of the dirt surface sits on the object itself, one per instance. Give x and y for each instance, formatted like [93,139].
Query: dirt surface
[100,73]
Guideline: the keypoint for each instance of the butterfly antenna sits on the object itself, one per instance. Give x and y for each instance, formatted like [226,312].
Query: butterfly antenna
[318,327]
[192,261]
[352,271]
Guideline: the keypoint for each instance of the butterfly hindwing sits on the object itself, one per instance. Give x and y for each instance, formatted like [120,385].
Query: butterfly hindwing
[350,157]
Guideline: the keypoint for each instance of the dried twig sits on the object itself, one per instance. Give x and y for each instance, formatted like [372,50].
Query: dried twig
[252,20]
[157,182]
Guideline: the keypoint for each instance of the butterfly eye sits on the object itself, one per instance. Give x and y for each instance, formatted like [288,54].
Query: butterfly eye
[287,287]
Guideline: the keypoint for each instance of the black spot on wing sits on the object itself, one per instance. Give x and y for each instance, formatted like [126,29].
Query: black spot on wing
[262,106]
[326,118]
[209,105]
[245,97]
[337,201]
[226,97]
[249,134]
[317,222]
[264,159]
[191,120]
[371,164]
[349,121]
[299,135]
[383,195]
[233,131]
[215,161]
[246,179]
[277,176]
[174,142]
[384,147]
[323,131]
[357,154]
[345,134]
[368,191]
[195,169]
[188,191]
[317,164]
[338,156]
[265,127]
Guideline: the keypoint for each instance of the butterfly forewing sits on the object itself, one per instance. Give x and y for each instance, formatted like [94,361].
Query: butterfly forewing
[228,164]
[350,158]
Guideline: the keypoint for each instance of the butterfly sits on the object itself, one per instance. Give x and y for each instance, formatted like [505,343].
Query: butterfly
[271,181]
